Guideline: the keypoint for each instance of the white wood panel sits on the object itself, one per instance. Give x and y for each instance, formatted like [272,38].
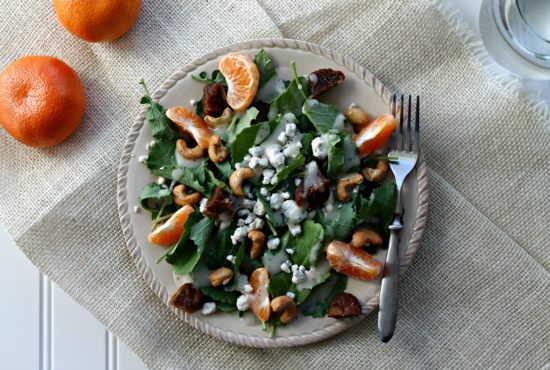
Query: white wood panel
[19,289]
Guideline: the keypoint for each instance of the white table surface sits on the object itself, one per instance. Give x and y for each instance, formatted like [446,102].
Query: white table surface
[43,328]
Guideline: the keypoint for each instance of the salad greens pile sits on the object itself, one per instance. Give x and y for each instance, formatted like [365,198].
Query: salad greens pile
[306,135]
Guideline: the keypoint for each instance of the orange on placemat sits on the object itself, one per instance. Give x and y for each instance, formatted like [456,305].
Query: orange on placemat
[243,77]
[170,231]
[97,20]
[41,100]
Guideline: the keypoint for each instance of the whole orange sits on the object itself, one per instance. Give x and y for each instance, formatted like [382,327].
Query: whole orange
[41,100]
[97,20]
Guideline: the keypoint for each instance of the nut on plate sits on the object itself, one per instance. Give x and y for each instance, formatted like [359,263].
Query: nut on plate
[221,276]
[223,120]
[216,150]
[378,173]
[344,305]
[181,198]
[187,298]
[237,179]
[195,152]
[345,184]
[357,117]
[286,307]
[363,237]
[258,243]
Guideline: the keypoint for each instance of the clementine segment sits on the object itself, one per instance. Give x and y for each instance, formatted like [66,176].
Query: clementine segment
[353,262]
[374,135]
[97,20]
[41,100]
[190,123]
[258,299]
[170,231]
[243,77]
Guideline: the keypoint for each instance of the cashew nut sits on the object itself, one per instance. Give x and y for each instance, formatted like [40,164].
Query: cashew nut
[345,184]
[363,237]
[237,178]
[189,153]
[216,151]
[258,242]
[357,116]
[220,276]
[376,174]
[223,120]
[181,198]
[286,307]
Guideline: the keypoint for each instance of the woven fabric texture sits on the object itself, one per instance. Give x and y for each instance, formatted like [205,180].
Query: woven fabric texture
[477,294]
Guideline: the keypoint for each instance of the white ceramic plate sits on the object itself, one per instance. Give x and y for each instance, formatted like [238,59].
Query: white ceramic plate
[360,87]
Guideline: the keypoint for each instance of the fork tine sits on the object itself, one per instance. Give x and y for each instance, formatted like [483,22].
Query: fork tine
[399,144]
[408,145]
[417,126]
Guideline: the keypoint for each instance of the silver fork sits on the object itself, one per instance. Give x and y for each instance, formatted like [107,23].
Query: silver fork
[406,149]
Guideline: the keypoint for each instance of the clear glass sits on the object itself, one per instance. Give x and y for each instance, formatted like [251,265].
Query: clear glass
[525,25]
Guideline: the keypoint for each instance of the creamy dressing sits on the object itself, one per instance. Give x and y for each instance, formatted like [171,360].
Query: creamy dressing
[182,279]
[314,275]
[273,262]
[186,163]
[351,155]
[313,78]
[200,276]
[225,220]
[311,176]
[271,89]
[262,134]
[314,254]
[338,124]
[331,211]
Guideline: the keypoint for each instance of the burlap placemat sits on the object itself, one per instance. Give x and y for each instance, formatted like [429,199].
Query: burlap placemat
[478,293]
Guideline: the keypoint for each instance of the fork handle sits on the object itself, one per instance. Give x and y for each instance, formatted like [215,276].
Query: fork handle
[387,315]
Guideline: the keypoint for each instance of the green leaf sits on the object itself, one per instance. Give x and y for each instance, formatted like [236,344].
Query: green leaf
[244,140]
[216,77]
[380,205]
[239,123]
[216,182]
[318,302]
[234,285]
[192,243]
[195,178]
[275,218]
[291,101]
[159,124]
[335,159]
[279,284]
[288,170]
[306,145]
[345,222]
[323,116]
[161,160]
[224,307]
[265,66]
[307,246]
[248,265]
[225,169]
[219,248]
[219,295]
[153,196]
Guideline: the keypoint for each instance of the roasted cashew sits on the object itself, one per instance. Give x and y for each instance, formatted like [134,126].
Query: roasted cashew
[285,306]
[223,120]
[363,237]
[258,243]
[376,174]
[183,199]
[216,151]
[237,178]
[345,184]
[220,276]
[189,153]
[357,116]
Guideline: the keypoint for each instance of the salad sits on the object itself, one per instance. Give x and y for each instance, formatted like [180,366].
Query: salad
[267,199]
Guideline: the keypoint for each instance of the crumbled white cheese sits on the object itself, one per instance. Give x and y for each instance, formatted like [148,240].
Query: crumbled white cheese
[239,234]
[202,204]
[273,243]
[285,267]
[243,212]
[289,251]
[248,288]
[248,203]
[298,276]
[251,217]
[285,195]
[238,165]
[137,209]
[264,192]
[276,201]
[242,303]
[291,295]
[256,151]
[142,158]
[292,150]
[161,180]
[243,280]
[253,162]
[293,214]
[247,157]
[274,156]
[240,222]
[257,224]
[231,258]
[208,308]
[295,229]
[193,102]
[282,138]
[150,144]
[319,145]
[290,129]
[263,162]
[268,174]
[259,208]
[297,182]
